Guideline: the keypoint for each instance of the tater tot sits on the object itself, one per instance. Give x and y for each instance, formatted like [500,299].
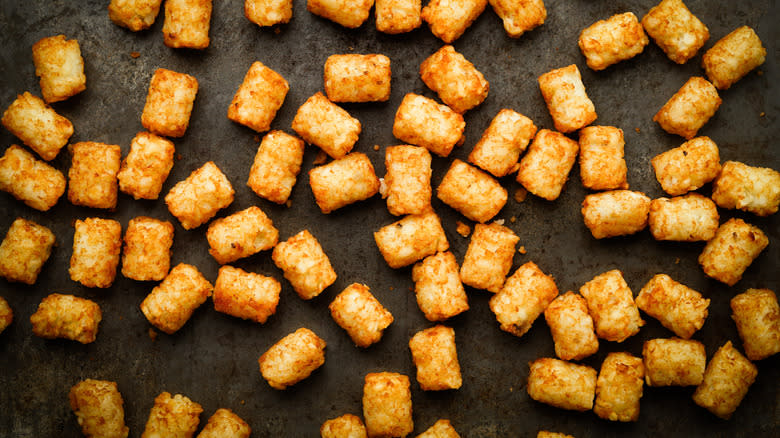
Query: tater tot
[305,264]
[436,358]
[472,192]
[689,108]
[502,143]
[545,168]
[98,407]
[348,13]
[225,424]
[29,180]
[441,429]
[566,99]
[246,295]
[733,57]
[187,23]
[611,304]
[67,317]
[411,239]
[240,235]
[147,252]
[676,30]
[688,218]
[25,249]
[726,382]
[607,42]
[343,181]
[615,213]
[59,64]
[398,16]
[92,180]
[546,434]
[200,196]
[673,362]
[345,426]
[145,169]
[169,103]
[735,245]
[171,303]
[619,387]
[519,17]
[455,79]
[37,125]
[268,12]
[357,78]
[562,384]
[448,19]
[675,305]
[276,166]
[489,257]
[292,359]
[134,14]
[358,312]
[525,295]
[757,315]
[571,327]
[602,162]
[6,314]
[176,416]
[387,404]
[437,286]
[326,125]
[408,179]
[748,188]
[423,122]
[96,246]
[688,166]
[258,98]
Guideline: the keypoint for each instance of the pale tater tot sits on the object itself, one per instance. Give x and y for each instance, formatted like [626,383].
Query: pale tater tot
[472,192]
[674,362]
[241,234]
[566,99]
[489,257]
[343,181]
[171,303]
[345,426]
[147,252]
[455,79]
[357,78]
[502,143]
[437,286]
[545,168]
[292,359]
[611,304]
[547,434]
[59,64]
[619,387]
[519,17]
[733,57]
[411,239]
[607,42]
[441,429]
[735,245]
[6,314]
[676,30]
[689,218]
[98,407]
[689,108]
[387,404]
[408,179]
[326,125]
[571,327]
[448,19]
[176,416]
[688,166]
[187,23]
[29,180]
[348,13]
[276,166]
[305,264]
[436,358]
[675,305]
[169,103]
[258,98]
[358,312]
[757,315]
[726,382]
[225,424]
[268,12]
[747,188]
[37,125]
[134,14]
[423,122]
[246,295]
[25,249]
[602,162]
[67,317]
[562,384]
[398,16]
[525,295]
[96,246]
[92,178]
[200,196]
[615,213]
[146,167]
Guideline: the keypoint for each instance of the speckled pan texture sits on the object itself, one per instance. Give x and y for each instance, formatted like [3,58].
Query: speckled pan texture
[212,359]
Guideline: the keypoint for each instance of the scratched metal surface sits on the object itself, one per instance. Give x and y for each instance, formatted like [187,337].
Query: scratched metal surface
[213,358]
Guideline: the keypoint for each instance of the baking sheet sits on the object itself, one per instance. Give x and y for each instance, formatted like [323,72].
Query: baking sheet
[213,358]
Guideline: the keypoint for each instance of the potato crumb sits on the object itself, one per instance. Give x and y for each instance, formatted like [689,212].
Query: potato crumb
[677,261]
[520,194]
[320,158]
[178,157]
[637,130]
[522,250]
[376,146]
[463,229]
[512,219]
[256,138]
[277,31]
[762,114]
[288,203]
[135,54]
[152,334]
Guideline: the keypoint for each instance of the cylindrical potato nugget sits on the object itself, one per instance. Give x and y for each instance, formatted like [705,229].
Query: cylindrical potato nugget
[134,14]
[258,98]
[59,64]
[735,245]
[562,384]
[676,30]
[29,180]
[305,264]
[689,108]
[519,17]
[37,125]
[610,41]
[358,312]
[187,23]
[241,234]
[615,213]
[748,188]
[757,315]
[397,16]
[675,305]
[176,416]
[225,424]
[326,125]
[345,426]
[733,57]
[169,101]
[408,179]
[448,19]
[525,295]
[411,239]
[200,196]
[268,12]
[441,429]
[92,178]
[96,246]
[276,166]
[6,314]
[566,99]
[292,359]
[423,122]
[68,317]
[145,169]
[343,181]
[246,295]
[489,257]
[440,293]
[571,327]
[546,434]
[472,192]
[726,382]
[170,305]
[602,162]
[25,249]
[687,167]
[348,13]
[674,362]
[689,218]
[619,387]
[357,78]
[387,404]
[545,168]
[611,304]
[436,358]
[455,79]
[147,253]
[502,143]
[97,405]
